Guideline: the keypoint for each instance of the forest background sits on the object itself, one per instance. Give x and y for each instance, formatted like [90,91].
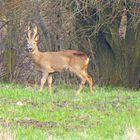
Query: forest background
[107,30]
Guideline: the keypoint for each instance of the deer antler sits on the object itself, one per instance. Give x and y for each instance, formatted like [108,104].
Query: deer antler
[35,32]
[29,34]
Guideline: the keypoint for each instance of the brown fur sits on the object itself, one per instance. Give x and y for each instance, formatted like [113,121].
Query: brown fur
[50,62]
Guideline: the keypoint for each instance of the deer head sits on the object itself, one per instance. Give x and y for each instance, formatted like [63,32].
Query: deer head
[32,40]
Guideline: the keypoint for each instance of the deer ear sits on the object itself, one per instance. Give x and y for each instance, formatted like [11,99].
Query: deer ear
[37,37]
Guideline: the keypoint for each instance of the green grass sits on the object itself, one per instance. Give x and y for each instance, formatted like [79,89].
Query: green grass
[105,115]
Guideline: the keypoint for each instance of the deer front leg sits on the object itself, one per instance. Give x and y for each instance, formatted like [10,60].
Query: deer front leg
[50,83]
[43,80]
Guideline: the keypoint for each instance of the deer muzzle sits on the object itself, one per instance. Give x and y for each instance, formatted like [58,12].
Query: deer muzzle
[28,48]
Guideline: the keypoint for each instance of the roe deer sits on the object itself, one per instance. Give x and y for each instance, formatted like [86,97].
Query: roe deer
[50,62]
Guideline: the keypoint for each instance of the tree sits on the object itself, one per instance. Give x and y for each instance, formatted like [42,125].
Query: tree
[106,30]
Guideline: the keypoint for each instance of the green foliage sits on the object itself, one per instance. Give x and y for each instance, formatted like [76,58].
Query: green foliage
[105,115]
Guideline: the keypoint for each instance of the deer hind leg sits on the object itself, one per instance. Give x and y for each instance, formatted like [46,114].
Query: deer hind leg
[81,85]
[90,81]
[50,83]
[88,78]
[80,75]
[43,80]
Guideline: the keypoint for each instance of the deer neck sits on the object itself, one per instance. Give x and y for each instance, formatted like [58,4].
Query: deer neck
[36,56]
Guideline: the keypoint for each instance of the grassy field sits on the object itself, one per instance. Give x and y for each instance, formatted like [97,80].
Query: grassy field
[109,114]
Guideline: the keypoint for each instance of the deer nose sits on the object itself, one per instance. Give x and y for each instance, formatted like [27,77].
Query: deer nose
[28,48]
